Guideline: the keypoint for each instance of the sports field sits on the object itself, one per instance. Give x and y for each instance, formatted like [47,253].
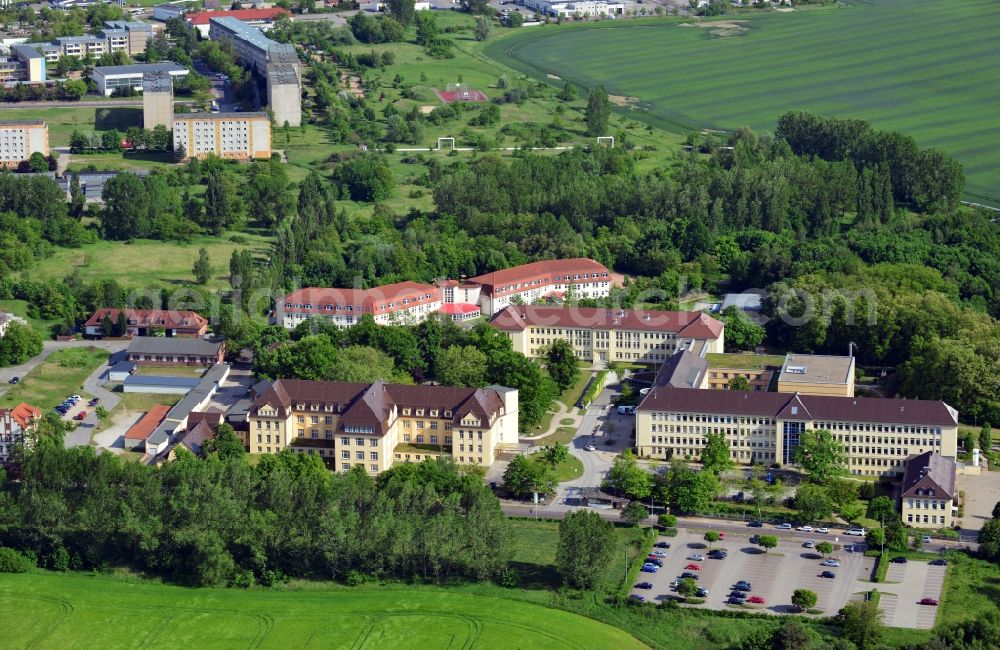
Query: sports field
[42,610]
[924,67]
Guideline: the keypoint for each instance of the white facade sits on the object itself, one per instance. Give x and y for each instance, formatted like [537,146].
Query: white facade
[228,135]
[18,140]
[582,8]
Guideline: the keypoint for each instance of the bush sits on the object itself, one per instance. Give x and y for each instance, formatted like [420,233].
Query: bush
[13,562]
[667,521]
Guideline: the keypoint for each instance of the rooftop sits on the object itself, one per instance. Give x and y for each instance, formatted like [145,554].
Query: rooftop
[202,17]
[282,74]
[157,82]
[458,308]
[685,324]
[682,370]
[929,474]
[816,369]
[140,68]
[147,423]
[378,300]
[173,345]
[4,123]
[243,31]
[540,274]
[160,317]
[744,361]
[220,116]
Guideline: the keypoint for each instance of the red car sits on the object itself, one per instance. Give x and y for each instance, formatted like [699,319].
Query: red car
[80,415]
[928,601]
[722,535]
[693,567]
[756,599]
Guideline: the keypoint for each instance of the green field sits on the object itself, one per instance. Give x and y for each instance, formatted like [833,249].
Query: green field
[62,374]
[61,611]
[923,67]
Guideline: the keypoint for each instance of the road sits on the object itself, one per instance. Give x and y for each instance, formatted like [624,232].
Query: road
[111,103]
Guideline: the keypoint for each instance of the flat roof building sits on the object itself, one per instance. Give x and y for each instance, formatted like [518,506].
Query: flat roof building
[19,139]
[137,33]
[238,136]
[159,350]
[257,18]
[25,64]
[878,435]
[109,78]
[815,374]
[157,384]
[169,10]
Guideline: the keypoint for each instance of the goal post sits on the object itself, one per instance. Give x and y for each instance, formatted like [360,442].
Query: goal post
[458,88]
[606,140]
[441,141]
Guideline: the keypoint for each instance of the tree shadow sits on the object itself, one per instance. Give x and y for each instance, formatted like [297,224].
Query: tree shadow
[750,550]
[811,556]
[536,576]
[120,118]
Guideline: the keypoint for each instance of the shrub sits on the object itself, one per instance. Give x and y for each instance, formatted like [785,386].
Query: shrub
[668,521]
[13,562]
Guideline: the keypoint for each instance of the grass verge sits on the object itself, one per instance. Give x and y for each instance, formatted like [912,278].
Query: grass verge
[60,375]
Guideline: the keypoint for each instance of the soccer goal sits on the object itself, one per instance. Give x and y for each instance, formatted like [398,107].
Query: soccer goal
[441,141]
[606,140]
[458,88]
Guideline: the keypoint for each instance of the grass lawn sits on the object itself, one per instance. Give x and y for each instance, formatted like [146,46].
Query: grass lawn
[145,401]
[971,587]
[744,361]
[568,470]
[20,308]
[46,610]
[60,375]
[146,263]
[86,117]
[858,61]
[171,371]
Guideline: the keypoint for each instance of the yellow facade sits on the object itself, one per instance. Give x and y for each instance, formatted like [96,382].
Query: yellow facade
[606,345]
[927,512]
[718,378]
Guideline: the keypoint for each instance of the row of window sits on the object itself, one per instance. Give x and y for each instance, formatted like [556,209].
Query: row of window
[934,519]
[927,504]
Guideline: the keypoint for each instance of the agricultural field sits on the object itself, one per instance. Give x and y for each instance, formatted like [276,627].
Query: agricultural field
[57,611]
[922,67]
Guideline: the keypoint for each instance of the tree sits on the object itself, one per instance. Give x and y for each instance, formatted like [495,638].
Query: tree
[222,206]
[882,508]
[812,503]
[38,163]
[687,587]
[586,546]
[739,382]
[875,538]
[202,268]
[19,343]
[826,548]
[401,10]
[767,542]
[715,457]
[555,454]
[986,437]
[77,200]
[126,208]
[712,537]
[102,414]
[568,92]
[462,366]
[989,540]
[970,441]
[896,537]
[667,520]
[483,28]
[821,455]
[427,28]
[792,635]
[523,476]
[107,327]
[635,513]
[688,491]
[861,623]
[225,443]
[996,510]
[852,511]
[562,364]
[741,332]
[804,599]
[628,478]
[598,111]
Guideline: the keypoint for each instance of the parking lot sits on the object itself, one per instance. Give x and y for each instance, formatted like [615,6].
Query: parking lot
[775,575]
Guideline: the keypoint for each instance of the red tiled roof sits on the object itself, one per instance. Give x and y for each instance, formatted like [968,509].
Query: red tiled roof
[808,407]
[202,17]
[148,423]
[458,308]
[24,413]
[688,324]
[540,274]
[361,301]
[151,317]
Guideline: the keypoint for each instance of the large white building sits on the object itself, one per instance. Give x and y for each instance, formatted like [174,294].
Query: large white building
[240,136]
[529,283]
[110,78]
[576,7]
[21,138]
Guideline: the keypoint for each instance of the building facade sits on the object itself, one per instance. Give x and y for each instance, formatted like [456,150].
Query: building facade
[928,493]
[112,77]
[24,63]
[143,322]
[403,303]
[239,136]
[377,425]
[261,19]
[21,138]
[157,100]
[530,283]
[158,350]
[814,374]
[878,435]
[604,335]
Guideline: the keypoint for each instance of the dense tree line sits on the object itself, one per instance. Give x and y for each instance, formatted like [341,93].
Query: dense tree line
[214,521]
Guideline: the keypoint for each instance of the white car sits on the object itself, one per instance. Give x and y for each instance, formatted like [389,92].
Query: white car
[831,563]
[856,532]
[697,557]
[926,539]
[823,530]
[805,529]
[659,554]
[590,448]
[784,526]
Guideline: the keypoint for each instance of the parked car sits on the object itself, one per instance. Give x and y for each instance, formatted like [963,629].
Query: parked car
[926,539]
[649,568]
[693,567]
[644,585]
[927,601]
[742,585]
[658,554]
[755,539]
[830,562]
[93,402]
[637,597]
[696,557]
[784,526]
[701,593]
[805,529]
[661,545]
[758,600]
[15,380]
[939,562]
[828,574]
[718,554]
[590,448]
[80,415]
[898,560]
[654,561]
[756,523]
[688,574]
[823,529]
[76,397]
[809,544]
[722,534]
[733,600]
[856,532]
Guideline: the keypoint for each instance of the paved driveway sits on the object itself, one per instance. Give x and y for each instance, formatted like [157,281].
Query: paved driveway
[905,585]
[981,494]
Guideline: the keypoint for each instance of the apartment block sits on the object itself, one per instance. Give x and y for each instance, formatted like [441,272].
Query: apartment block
[403,303]
[129,36]
[240,136]
[284,94]
[137,34]
[604,335]
[529,283]
[14,423]
[24,63]
[928,493]
[377,425]
[21,138]
[878,435]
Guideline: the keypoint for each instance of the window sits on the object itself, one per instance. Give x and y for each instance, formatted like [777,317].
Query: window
[359,442]
[346,455]
[374,467]
[372,442]
[373,455]
[344,440]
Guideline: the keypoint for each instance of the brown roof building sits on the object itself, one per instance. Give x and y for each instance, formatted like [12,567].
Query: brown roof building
[140,322]
[374,425]
[529,283]
[878,435]
[397,304]
[605,335]
[928,491]
[135,437]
